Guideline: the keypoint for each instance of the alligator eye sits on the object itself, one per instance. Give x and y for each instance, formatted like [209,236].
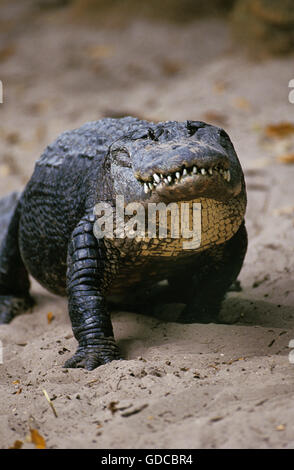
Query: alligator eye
[122,157]
[140,134]
[154,134]
[193,126]
[150,133]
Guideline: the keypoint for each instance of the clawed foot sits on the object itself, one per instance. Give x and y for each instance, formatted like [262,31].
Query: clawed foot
[92,356]
[11,306]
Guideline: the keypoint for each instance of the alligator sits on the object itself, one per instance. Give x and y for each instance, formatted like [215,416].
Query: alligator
[48,230]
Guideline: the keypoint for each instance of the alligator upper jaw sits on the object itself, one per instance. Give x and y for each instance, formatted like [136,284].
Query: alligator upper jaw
[188,183]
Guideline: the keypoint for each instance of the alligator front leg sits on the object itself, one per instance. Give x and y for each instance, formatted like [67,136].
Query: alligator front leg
[90,319]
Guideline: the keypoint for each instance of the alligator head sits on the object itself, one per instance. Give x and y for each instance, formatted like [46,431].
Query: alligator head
[174,161]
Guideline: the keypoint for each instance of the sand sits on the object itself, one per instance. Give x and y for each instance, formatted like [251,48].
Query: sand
[228,385]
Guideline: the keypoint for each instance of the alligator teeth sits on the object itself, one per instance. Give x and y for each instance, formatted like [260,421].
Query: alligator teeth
[156,178]
[227,175]
[160,180]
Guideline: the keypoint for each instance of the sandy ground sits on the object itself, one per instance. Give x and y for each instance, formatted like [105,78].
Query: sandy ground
[182,386]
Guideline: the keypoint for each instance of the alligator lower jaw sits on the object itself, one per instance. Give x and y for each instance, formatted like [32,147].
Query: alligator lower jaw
[190,183]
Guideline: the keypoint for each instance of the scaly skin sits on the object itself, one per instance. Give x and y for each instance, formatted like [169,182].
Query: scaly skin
[49,234]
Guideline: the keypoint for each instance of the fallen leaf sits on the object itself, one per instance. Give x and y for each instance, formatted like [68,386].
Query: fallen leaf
[17,445]
[280,427]
[12,138]
[215,419]
[15,382]
[287,158]
[37,439]
[100,51]
[242,103]
[112,407]
[50,317]
[280,130]
[171,67]
[220,86]
[6,52]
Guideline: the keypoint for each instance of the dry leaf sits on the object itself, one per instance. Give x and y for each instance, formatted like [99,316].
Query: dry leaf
[280,130]
[37,439]
[6,52]
[220,86]
[13,138]
[16,382]
[50,317]
[287,158]
[242,103]
[17,445]
[170,67]
[215,419]
[100,51]
[280,427]
[112,406]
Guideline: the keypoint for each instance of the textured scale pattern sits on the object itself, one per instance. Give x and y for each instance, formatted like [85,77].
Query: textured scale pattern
[47,231]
